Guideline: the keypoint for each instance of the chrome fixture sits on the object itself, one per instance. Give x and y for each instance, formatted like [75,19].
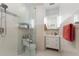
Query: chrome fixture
[3,22]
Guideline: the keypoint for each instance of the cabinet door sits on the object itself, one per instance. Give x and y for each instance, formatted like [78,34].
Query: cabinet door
[48,42]
[52,42]
[57,42]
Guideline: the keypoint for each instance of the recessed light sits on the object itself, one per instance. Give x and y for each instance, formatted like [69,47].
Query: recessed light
[51,3]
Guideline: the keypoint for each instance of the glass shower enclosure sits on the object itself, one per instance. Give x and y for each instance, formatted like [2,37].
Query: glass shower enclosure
[27,40]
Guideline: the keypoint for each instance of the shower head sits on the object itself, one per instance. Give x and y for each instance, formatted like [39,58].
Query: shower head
[4,6]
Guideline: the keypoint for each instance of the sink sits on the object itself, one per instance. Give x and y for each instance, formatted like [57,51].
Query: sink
[27,43]
[30,47]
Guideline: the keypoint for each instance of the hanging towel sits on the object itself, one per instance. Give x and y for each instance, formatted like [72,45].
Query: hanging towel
[69,32]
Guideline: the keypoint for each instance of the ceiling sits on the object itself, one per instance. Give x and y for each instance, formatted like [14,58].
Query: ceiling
[51,6]
[46,5]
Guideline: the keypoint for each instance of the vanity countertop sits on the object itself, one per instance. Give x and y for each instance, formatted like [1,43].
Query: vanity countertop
[51,35]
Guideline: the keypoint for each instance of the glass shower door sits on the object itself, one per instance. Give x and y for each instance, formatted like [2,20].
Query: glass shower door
[27,40]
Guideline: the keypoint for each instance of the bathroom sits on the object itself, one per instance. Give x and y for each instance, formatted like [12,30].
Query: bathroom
[36,29]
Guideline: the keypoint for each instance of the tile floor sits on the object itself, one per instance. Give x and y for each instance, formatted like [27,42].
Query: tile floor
[42,53]
[48,53]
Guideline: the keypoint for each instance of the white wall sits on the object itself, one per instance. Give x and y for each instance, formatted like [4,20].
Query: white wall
[39,27]
[66,13]
[20,9]
[9,46]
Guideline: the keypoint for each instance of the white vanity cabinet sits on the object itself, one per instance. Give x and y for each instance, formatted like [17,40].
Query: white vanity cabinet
[52,42]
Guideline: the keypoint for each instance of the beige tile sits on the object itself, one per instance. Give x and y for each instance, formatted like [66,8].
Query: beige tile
[48,53]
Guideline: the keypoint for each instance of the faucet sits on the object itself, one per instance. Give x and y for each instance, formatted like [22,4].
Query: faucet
[28,38]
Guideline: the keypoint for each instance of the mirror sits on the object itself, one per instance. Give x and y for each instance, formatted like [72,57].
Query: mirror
[51,19]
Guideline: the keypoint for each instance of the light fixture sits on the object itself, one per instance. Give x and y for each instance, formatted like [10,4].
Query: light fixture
[51,3]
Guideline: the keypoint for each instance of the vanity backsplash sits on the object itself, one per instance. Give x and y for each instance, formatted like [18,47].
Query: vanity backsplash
[52,32]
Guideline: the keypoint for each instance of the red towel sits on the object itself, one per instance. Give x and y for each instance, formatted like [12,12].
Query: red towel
[69,32]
